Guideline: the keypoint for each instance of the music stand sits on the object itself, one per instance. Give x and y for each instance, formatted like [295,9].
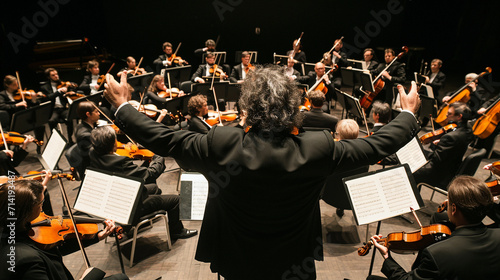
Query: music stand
[351,76]
[428,107]
[279,59]
[73,108]
[217,55]
[309,67]
[177,104]
[31,118]
[221,89]
[367,81]
[140,81]
[253,55]
[233,92]
[177,75]
[426,90]
[53,151]
[359,64]
[418,78]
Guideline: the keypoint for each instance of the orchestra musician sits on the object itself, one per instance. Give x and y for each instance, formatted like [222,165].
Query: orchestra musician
[89,85]
[131,68]
[103,157]
[447,152]
[89,115]
[299,56]
[209,47]
[316,117]
[158,86]
[475,94]
[313,76]
[56,95]
[436,78]
[339,58]
[31,262]
[165,60]
[205,69]
[489,141]
[291,72]
[369,58]
[239,165]
[381,114]
[240,71]
[197,109]
[392,76]
[472,251]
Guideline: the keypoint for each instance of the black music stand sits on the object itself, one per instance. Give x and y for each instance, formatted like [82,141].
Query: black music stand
[358,64]
[73,108]
[178,104]
[221,61]
[233,93]
[177,75]
[428,107]
[367,81]
[253,55]
[140,81]
[31,118]
[280,59]
[351,77]
[221,89]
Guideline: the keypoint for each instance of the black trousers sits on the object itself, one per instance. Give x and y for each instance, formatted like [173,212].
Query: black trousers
[167,202]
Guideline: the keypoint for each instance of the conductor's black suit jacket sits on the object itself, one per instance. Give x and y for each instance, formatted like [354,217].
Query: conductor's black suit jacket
[262,216]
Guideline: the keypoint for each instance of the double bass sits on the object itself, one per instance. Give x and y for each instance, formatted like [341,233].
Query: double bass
[461,95]
[378,84]
[487,123]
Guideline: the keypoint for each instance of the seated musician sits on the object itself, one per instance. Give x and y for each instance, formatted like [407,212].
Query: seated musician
[339,58]
[9,105]
[158,86]
[347,129]
[291,72]
[197,109]
[436,77]
[313,76]
[447,152]
[57,96]
[32,262]
[299,56]
[475,95]
[132,68]
[89,116]
[102,156]
[166,60]
[369,58]
[240,71]
[209,47]
[9,159]
[489,141]
[316,117]
[392,76]
[208,70]
[381,114]
[472,251]
[89,85]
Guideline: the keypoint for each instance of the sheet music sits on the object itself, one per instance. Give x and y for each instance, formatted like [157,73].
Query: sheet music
[199,194]
[412,154]
[53,150]
[381,195]
[108,196]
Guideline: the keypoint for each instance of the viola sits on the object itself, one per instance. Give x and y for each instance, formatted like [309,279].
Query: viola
[407,242]
[213,117]
[378,84]
[436,134]
[48,231]
[101,79]
[14,138]
[133,151]
[462,95]
[487,123]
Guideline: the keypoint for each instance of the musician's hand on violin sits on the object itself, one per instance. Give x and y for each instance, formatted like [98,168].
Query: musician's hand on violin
[488,166]
[27,140]
[435,142]
[481,111]
[199,80]
[410,101]
[384,251]
[116,93]
[63,90]
[46,179]
[446,99]
[109,229]
[22,104]
[9,153]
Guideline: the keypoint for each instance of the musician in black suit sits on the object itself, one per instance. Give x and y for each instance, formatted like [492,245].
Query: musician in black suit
[165,60]
[446,155]
[339,58]
[381,114]
[277,232]
[102,157]
[90,84]
[369,58]
[299,56]
[316,117]
[204,70]
[197,108]
[240,71]
[472,251]
[315,76]
[31,262]
[291,72]
[209,47]
[476,92]
[60,101]
[392,76]
[89,116]
[436,78]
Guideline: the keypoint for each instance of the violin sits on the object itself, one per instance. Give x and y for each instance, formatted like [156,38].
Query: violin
[462,95]
[14,138]
[149,109]
[28,94]
[174,58]
[101,79]
[217,70]
[133,151]
[436,134]
[48,231]
[249,67]
[213,117]
[169,93]
[487,123]
[68,85]
[39,176]
[306,106]
[407,242]
[378,84]
[73,95]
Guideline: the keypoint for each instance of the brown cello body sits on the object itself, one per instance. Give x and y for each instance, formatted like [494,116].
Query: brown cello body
[488,122]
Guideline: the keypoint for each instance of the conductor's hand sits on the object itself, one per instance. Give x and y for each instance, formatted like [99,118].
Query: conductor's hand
[116,93]
[410,101]
[384,251]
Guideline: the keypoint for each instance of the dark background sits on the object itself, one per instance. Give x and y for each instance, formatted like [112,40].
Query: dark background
[464,34]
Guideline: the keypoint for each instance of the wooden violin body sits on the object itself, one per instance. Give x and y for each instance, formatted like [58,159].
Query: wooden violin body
[68,85]
[14,138]
[133,151]
[409,242]
[436,134]
[488,122]
[213,117]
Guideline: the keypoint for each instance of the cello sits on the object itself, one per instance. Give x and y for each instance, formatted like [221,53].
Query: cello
[320,85]
[378,84]
[461,95]
[487,123]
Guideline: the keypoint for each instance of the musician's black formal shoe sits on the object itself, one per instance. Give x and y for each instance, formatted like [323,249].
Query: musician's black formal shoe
[185,233]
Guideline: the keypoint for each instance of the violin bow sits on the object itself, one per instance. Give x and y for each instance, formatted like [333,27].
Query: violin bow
[366,123]
[4,141]
[176,50]
[169,85]
[137,67]
[213,90]
[416,217]
[334,46]
[102,82]
[20,87]
[296,45]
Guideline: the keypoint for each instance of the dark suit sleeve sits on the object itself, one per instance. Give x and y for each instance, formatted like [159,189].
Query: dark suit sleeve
[5,103]
[148,174]
[439,156]
[427,269]
[155,97]
[159,61]
[235,76]
[85,84]
[198,74]
[438,82]
[399,75]
[489,102]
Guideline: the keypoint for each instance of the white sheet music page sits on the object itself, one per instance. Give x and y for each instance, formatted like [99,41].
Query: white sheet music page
[107,196]
[53,150]
[412,154]
[199,194]
[381,195]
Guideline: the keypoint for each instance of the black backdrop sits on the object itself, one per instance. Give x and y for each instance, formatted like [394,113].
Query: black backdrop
[464,34]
